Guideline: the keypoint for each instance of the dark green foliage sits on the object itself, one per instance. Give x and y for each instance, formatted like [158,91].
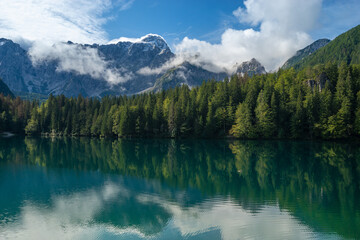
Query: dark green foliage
[244,127]
[14,113]
[265,117]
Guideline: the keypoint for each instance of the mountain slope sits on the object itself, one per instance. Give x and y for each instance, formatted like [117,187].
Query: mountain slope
[344,48]
[192,75]
[4,89]
[305,52]
[15,65]
[187,74]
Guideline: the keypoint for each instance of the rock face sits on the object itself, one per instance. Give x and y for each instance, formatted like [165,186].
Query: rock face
[19,73]
[251,68]
[4,89]
[319,83]
[322,80]
[15,65]
[132,60]
[305,52]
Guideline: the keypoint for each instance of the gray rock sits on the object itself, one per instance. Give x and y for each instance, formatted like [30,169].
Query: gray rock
[319,83]
[19,73]
[251,68]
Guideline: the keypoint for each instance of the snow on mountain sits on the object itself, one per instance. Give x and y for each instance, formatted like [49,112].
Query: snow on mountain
[152,39]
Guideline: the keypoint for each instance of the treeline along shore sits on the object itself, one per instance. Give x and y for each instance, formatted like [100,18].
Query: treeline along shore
[319,102]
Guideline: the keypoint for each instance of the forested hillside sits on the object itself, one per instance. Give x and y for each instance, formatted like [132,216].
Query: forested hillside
[319,102]
[305,53]
[344,48]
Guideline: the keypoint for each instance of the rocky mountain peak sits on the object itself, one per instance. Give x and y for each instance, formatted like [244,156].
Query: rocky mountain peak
[252,67]
[147,42]
[6,43]
[156,40]
[3,41]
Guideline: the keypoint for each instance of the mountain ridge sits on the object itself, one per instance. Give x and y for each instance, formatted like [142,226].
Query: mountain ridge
[19,72]
[305,52]
[344,48]
[125,57]
[251,68]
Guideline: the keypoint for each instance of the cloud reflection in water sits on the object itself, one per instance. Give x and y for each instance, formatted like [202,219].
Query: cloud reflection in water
[115,211]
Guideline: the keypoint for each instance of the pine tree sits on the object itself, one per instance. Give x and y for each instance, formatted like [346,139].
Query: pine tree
[298,119]
[357,115]
[33,125]
[265,117]
[243,127]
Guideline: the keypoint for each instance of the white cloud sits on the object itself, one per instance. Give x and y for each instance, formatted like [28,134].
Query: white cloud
[77,58]
[42,25]
[186,56]
[53,21]
[125,4]
[61,20]
[283,27]
[168,65]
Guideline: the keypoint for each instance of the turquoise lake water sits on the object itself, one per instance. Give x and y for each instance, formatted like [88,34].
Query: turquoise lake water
[178,189]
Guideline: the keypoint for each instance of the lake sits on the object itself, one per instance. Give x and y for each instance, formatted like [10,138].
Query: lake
[178,189]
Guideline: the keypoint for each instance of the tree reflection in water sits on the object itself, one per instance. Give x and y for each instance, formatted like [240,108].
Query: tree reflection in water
[317,183]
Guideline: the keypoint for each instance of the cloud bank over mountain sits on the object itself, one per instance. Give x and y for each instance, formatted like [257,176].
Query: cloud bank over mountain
[78,58]
[279,28]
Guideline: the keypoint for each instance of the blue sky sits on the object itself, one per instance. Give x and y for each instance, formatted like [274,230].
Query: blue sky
[174,20]
[208,19]
[220,33]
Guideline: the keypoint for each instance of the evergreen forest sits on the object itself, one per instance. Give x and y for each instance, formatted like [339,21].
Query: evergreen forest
[319,102]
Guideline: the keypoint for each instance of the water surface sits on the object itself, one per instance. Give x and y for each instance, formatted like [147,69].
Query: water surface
[167,189]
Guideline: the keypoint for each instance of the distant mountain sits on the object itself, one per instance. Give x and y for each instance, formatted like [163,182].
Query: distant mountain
[251,68]
[305,52]
[14,66]
[19,73]
[344,48]
[187,74]
[4,89]
[124,57]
